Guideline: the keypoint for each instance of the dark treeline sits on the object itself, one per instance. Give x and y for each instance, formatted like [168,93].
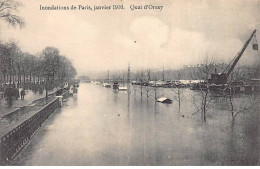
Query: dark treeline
[20,68]
[192,72]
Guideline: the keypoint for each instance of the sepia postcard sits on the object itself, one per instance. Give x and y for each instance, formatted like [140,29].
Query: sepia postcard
[129,83]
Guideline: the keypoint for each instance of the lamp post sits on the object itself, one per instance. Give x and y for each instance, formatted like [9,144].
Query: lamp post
[46,87]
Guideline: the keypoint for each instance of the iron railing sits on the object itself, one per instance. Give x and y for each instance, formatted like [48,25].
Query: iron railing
[15,140]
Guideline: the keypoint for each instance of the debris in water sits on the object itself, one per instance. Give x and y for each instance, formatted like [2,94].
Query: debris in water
[164,100]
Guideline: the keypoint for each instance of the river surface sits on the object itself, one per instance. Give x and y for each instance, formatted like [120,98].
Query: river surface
[99,126]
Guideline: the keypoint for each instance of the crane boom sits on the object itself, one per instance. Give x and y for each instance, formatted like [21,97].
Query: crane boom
[222,77]
[239,55]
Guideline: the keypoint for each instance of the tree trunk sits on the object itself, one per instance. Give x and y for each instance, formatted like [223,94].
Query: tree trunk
[24,78]
[4,77]
[14,78]
[179,99]
[205,107]
[141,90]
[10,78]
[231,104]
[179,106]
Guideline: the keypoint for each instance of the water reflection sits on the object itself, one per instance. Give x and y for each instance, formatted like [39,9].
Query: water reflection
[101,126]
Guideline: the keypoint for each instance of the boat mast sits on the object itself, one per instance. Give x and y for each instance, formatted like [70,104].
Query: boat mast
[163,73]
[108,75]
[128,78]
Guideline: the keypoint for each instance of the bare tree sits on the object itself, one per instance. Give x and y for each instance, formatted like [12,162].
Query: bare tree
[141,81]
[202,98]
[177,91]
[7,12]
[253,101]
[147,88]
[147,91]
[157,90]
[238,107]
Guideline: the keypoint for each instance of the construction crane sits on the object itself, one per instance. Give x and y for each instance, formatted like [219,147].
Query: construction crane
[221,78]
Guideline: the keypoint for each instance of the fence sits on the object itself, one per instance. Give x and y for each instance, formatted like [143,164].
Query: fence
[15,140]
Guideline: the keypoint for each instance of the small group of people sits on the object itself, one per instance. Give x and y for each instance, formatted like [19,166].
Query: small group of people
[36,87]
[11,93]
[59,91]
[73,89]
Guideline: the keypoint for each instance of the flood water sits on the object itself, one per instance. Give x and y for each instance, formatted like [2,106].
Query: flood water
[99,126]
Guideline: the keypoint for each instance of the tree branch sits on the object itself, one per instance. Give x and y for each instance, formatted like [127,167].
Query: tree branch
[246,108]
[8,7]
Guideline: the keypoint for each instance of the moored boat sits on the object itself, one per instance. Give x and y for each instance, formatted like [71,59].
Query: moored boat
[115,85]
[122,88]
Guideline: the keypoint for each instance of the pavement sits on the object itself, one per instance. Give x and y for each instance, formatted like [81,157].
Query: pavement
[29,97]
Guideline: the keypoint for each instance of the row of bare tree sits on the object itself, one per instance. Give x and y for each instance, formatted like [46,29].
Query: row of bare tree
[19,67]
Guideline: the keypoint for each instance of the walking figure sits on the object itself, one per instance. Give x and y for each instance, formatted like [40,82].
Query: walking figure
[22,94]
[16,93]
[71,91]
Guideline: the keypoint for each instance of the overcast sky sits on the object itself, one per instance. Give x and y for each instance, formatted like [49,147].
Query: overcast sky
[181,34]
